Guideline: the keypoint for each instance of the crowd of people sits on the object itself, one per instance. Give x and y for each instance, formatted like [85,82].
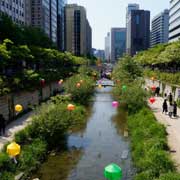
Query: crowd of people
[171,110]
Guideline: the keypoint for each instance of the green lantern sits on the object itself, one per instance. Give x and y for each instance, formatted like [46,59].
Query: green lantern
[113,172]
[124,87]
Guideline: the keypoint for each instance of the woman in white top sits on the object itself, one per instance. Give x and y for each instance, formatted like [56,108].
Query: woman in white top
[170,110]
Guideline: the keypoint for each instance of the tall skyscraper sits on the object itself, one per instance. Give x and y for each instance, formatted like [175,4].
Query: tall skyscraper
[14,9]
[128,11]
[77,30]
[88,38]
[160,28]
[107,47]
[118,43]
[138,33]
[60,24]
[174,21]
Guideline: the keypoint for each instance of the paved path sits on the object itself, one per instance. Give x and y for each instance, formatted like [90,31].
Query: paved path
[14,127]
[173,129]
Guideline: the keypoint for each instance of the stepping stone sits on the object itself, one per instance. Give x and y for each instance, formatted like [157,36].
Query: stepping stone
[124,154]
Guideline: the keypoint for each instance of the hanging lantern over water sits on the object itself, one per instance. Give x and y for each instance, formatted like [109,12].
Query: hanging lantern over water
[71,107]
[124,87]
[115,104]
[113,172]
[78,85]
[60,82]
[152,100]
[153,88]
[100,86]
[18,108]
[13,149]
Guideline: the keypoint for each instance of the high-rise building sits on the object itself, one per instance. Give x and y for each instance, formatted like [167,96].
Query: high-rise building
[40,15]
[118,43]
[128,11]
[60,24]
[14,9]
[174,20]
[77,30]
[107,47]
[88,38]
[138,32]
[160,28]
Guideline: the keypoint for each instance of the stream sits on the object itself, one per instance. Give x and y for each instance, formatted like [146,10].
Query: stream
[103,141]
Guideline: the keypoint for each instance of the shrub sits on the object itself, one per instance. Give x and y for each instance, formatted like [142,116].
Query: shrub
[170,176]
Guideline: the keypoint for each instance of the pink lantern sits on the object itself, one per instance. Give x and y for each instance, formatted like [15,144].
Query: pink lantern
[115,104]
[152,100]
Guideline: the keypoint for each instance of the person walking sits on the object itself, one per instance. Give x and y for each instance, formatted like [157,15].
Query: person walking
[2,125]
[170,110]
[165,106]
[157,91]
[170,98]
[175,109]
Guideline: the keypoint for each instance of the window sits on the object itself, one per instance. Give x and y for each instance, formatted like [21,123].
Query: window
[137,19]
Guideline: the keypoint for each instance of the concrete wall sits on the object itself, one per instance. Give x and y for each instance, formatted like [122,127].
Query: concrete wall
[26,99]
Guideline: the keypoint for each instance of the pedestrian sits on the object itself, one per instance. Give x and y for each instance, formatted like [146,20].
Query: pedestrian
[175,109]
[157,91]
[170,110]
[2,125]
[170,98]
[165,96]
[165,106]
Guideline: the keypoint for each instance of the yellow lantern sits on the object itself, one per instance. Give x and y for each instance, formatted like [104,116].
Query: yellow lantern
[78,85]
[13,149]
[60,81]
[81,81]
[152,78]
[18,108]
[71,107]
[99,86]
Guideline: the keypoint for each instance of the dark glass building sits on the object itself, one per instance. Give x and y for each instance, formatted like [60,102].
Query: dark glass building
[61,24]
[138,26]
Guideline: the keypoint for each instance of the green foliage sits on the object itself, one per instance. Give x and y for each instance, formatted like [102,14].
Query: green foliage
[149,146]
[82,94]
[169,176]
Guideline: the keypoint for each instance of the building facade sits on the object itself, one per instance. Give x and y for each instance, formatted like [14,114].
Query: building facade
[160,28]
[138,33]
[61,24]
[77,30]
[88,38]
[107,47]
[128,11]
[174,21]
[117,43]
[15,9]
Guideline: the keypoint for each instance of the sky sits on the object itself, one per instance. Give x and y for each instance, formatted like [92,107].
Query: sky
[104,14]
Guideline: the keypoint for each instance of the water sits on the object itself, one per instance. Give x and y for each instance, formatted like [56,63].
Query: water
[100,143]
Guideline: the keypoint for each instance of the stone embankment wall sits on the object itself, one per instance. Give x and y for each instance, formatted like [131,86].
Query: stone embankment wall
[26,99]
[165,88]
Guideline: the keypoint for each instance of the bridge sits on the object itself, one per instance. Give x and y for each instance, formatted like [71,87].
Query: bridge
[105,82]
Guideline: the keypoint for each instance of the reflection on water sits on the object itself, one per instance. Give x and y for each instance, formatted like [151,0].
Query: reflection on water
[99,144]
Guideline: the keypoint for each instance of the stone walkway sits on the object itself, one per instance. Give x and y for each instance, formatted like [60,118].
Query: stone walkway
[14,127]
[173,129]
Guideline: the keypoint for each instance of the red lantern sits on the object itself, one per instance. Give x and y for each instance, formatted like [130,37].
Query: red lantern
[153,88]
[152,100]
[78,85]
[42,81]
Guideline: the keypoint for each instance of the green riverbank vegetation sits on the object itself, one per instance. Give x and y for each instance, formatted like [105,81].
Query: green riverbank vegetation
[49,128]
[150,152]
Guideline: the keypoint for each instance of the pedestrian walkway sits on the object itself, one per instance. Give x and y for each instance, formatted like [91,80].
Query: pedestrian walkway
[173,129]
[14,127]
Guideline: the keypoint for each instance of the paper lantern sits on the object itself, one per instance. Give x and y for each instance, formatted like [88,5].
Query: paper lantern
[78,85]
[118,81]
[18,108]
[60,82]
[115,104]
[152,100]
[42,81]
[113,172]
[124,87]
[81,81]
[13,149]
[153,88]
[71,107]
[152,78]
[99,86]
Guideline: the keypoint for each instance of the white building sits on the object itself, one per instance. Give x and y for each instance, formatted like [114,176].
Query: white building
[160,28]
[174,21]
[15,9]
